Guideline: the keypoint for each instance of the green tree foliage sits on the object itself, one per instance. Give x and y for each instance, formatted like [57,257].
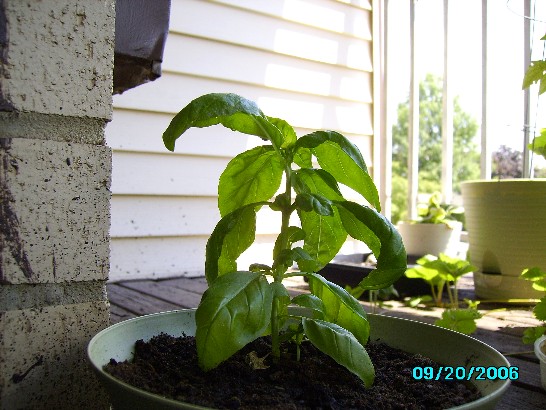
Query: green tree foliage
[466,157]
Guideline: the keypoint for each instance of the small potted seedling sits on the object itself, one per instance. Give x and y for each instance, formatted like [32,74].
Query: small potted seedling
[437,229]
[242,305]
[443,273]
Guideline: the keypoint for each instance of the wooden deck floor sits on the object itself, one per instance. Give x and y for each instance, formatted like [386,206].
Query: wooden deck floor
[501,327]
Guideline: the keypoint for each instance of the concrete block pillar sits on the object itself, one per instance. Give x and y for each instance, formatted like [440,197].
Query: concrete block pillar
[56,64]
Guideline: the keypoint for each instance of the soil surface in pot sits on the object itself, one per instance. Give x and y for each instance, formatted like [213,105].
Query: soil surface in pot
[168,366]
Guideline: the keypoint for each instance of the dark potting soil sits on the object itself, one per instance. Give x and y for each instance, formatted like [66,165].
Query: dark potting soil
[168,366]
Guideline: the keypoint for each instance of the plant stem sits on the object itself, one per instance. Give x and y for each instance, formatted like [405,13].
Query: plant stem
[434,294]
[275,342]
[278,276]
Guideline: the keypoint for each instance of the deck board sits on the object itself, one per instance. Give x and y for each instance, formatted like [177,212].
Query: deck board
[501,327]
[179,297]
[136,302]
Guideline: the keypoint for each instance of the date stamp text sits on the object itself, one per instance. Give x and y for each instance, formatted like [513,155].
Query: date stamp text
[463,373]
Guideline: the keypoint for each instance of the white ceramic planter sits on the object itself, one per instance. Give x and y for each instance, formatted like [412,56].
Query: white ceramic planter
[540,352]
[422,239]
[506,223]
[444,346]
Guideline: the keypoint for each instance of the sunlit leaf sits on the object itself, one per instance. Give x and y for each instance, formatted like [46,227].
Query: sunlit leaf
[252,176]
[324,235]
[540,310]
[530,335]
[233,234]
[392,259]
[460,320]
[535,73]
[234,310]
[317,181]
[341,346]
[343,160]
[340,307]
[231,110]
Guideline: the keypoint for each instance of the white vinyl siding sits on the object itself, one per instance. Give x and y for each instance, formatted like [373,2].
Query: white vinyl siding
[311,68]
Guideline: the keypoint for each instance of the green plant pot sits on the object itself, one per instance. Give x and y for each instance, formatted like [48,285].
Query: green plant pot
[444,346]
[506,225]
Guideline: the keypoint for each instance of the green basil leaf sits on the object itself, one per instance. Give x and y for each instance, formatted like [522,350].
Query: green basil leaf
[311,302]
[392,259]
[252,176]
[315,202]
[230,110]
[233,234]
[340,307]
[234,311]
[342,346]
[305,262]
[303,158]
[342,159]
[316,181]
[288,237]
[325,235]
[289,135]
[358,230]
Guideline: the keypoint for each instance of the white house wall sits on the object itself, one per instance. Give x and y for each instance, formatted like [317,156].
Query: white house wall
[307,61]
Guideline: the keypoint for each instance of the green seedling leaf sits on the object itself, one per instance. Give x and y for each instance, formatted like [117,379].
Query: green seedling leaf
[392,259]
[540,310]
[234,310]
[252,176]
[448,268]
[417,300]
[530,335]
[340,307]
[460,320]
[342,159]
[311,302]
[533,274]
[536,73]
[233,234]
[538,146]
[342,346]
[325,235]
[472,304]
[537,276]
[230,110]
[429,275]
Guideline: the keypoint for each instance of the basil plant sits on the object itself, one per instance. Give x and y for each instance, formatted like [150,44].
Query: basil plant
[240,306]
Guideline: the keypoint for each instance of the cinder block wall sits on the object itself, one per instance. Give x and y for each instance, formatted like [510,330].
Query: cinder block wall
[56,63]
